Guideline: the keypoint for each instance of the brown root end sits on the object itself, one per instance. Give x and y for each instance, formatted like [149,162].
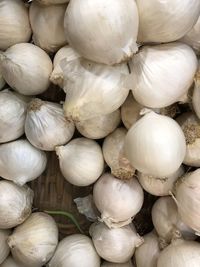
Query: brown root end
[191,132]
[123,173]
[35,104]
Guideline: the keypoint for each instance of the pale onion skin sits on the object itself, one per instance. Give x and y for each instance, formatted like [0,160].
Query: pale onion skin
[21,162]
[33,243]
[155,145]
[162,74]
[14,23]
[46,127]
[115,245]
[110,264]
[5,250]
[15,204]
[50,2]
[159,19]
[180,253]
[93,89]
[26,68]
[75,251]
[113,40]
[81,161]
[113,152]
[192,38]
[188,200]
[66,53]
[190,125]
[196,95]
[10,262]
[147,254]
[124,195]
[100,126]
[12,116]
[167,221]
[47,25]
[159,186]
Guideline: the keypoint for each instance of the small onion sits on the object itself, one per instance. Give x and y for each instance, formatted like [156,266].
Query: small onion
[12,116]
[113,151]
[21,162]
[159,186]
[159,19]
[15,204]
[81,161]
[196,94]
[26,68]
[115,245]
[190,125]
[110,264]
[147,254]
[14,23]
[114,38]
[155,145]
[100,126]
[33,243]
[46,127]
[66,53]
[167,222]
[47,26]
[93,89]
[162,74]
[75,251]
[5,250]
[10,262]
[180,253]
[122,199]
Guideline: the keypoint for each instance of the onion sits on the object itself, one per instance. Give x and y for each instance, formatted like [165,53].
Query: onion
[14,23]
[162,74]
[155,145]
[122,199]
[26,68]
[159,20]
[114,38]
[5,250]
[47,26]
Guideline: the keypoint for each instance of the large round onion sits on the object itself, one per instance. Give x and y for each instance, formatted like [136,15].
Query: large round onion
[102,31]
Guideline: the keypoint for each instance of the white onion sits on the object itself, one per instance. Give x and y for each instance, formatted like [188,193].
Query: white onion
[26,68]
[166,21]
[10,262]
[14,23]
[147,254]
[155,145]
[196,94]
[162,74]
[81,161]
[15,204]
[21,162]
[110,264]
[113,151]
[114,38]
[100,126]
[180,253]
[45,126]
[93,89]
[117,200]
[47,26]
[66,53]
[33,243]
[167,222]
[159,186]
[75,251]
[12,116]
[115,245]
[5,250]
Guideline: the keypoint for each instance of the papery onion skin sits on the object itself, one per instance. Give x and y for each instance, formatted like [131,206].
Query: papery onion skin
[47,26]
[5,250]
[9,262]
[180,254]
[26,68]
[155,145]
[124,195]
[113,40]
[75,250]
[14,23]
[162,74]
[159,19]
[15,204]
[110,264]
